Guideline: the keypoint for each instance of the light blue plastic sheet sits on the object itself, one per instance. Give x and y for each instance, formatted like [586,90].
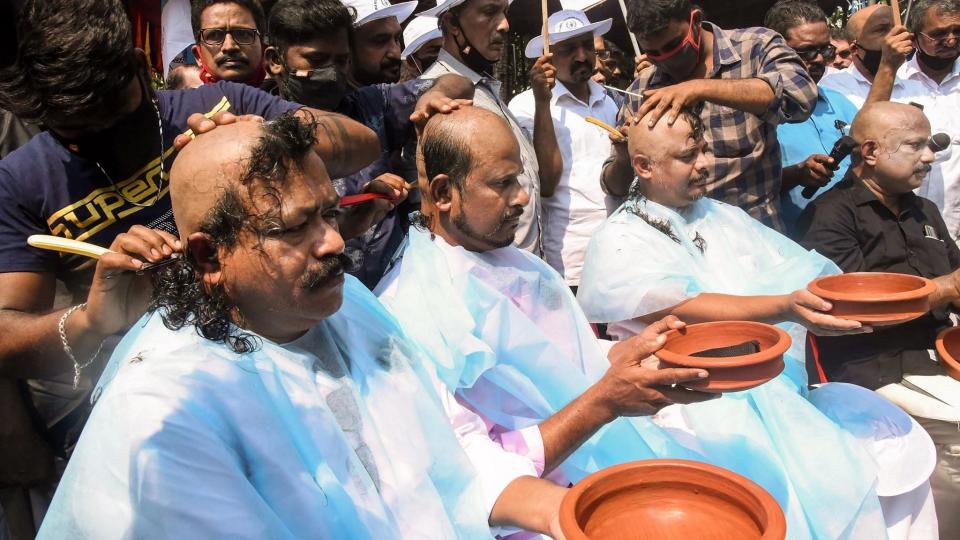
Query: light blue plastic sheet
[189,440]
[507,335]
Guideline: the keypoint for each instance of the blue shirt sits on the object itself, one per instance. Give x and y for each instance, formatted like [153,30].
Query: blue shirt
[816,135]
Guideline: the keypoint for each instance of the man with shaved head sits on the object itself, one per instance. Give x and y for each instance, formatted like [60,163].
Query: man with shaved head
[512,344]
[873,222]
[670,251]
[878,48]
[267,394]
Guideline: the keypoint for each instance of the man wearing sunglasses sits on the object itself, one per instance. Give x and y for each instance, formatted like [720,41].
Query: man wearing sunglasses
[806,145]
[229,45]
[841,42]
[748,81]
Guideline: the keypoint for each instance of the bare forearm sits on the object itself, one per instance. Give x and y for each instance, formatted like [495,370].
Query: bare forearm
[571,426]
[616,176]
[882,87]
[346,146]
[549,159]
[709,307]
[32,348]
[750,95]
[528,503]
[790,178]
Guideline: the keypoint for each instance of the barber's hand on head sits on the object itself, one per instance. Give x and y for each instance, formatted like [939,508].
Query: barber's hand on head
[439,105]
[641,63]
[543,77]
[118,297]
[199,124]
[667,101]
[635,386]
[805,308]
[815,171]
[897,44]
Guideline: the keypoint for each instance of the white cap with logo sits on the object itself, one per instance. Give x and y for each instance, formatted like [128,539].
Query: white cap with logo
[420,30]
[372,10]
[566,24]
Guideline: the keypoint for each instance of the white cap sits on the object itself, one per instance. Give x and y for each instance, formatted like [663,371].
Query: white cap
[445,6]
[563,25]
[420,30]
[903,451]
[372,10]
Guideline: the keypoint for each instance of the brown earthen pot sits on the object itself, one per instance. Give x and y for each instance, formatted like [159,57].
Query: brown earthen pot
[875,298]
[669,498]
[730,374]
[948,349]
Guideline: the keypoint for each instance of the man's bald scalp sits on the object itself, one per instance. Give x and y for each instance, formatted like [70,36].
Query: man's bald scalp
[876,120]
[450,140]
[641,139]
[857,21]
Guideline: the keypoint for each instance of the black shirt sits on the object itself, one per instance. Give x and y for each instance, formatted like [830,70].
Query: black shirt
[852,227]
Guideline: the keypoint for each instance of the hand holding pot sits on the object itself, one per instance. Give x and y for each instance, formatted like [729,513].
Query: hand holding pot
[804,307]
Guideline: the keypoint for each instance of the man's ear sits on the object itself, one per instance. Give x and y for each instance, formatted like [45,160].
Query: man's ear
[203,255]
[441,191]
[869,151]
[272,61]
[643,166]
[450,24]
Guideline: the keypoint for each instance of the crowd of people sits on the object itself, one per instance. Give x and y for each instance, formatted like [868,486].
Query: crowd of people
[353,291]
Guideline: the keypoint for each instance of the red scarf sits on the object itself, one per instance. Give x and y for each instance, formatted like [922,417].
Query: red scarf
[208,77]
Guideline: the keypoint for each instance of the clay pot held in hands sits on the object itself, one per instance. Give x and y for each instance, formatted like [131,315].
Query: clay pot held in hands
[669,498]
[727,374]
[875,298]
[948,349]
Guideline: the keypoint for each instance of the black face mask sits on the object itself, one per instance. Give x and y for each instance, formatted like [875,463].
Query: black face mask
[935,63]
[138,129]
[471,57]
[871,60]
[321,88]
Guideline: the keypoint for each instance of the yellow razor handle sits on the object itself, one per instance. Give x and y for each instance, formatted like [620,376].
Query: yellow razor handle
[66,245]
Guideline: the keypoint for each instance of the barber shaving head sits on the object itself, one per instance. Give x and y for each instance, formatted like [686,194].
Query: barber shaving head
[893,155]
[868,27]
[309,53]
[468,165]
[257,212]
[936,24]
[669,161]
[474,31]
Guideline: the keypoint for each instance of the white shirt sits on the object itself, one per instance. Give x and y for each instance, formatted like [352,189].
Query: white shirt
[487,96]
[941,103]
[579,204]
[854,85]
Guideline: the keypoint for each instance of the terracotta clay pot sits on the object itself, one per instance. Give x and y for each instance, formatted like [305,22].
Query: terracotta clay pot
[730,374]
[875,298]
[669,498]
[948,349]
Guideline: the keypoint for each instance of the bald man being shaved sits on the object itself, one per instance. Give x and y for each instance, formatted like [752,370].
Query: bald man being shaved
[873,222]
[268,394]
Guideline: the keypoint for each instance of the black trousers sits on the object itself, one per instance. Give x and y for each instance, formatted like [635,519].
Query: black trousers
[946,477]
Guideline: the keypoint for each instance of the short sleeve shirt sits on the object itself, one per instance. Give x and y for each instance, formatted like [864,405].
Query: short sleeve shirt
[46,189]
[849,225]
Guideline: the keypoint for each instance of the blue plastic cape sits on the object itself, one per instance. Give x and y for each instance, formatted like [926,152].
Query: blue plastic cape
[507,335]
[189,440]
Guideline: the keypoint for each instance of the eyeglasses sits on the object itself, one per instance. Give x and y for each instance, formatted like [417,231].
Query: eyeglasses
[242,36]
[844,54]
[941,38]
[828,51]
[603,54]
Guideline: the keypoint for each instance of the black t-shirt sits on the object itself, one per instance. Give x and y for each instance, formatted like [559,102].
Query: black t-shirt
[853,228]
[46,189]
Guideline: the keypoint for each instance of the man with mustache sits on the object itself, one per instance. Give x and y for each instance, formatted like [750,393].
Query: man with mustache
[377,41]
[805,145]
[745,82]
[229,36]
[268,395]
[556,122]
[474,33]
[873,222]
